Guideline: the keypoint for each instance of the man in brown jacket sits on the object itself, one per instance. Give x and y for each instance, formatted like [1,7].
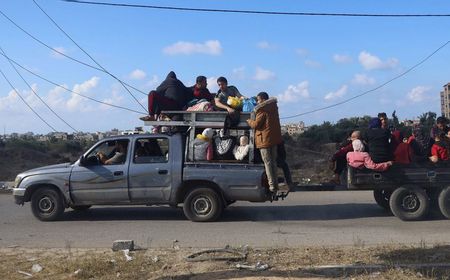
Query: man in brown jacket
[266,124]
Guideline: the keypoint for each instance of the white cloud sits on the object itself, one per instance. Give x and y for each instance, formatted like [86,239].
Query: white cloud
[363,79]
[59,55]
[418,94]
[264,45]
[372,62]
[262,74]
[312,64]
[9,101]
[137,74]
[336,94]
[342,58]
[76,101]
[55,98]
[239,73]
[212,84]
[153,82]
[302,52]
[211,47]
[294,93]
[115,99]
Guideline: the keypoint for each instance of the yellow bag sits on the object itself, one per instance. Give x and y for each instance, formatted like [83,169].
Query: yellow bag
[234,102]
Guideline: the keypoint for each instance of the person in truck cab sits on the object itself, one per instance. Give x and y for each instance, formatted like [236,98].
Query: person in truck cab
[118,157]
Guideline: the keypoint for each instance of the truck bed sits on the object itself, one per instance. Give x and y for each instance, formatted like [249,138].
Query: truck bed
[425,175]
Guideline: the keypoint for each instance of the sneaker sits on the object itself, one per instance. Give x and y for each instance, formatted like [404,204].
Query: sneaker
[273,189]
[147,118]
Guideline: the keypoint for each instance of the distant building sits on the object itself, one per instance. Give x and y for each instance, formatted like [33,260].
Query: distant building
[293,128]
[445,101]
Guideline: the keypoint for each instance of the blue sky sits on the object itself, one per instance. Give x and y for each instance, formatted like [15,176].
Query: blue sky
[307,62]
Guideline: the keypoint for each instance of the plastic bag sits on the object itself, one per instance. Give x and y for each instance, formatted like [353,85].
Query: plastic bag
[234,102]
[249,104]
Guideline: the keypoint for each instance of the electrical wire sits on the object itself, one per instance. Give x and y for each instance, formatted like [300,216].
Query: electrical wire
[251,11]
[37,95]
[61,53]
[69,90]
[371,90]
[26,103]
[95,61]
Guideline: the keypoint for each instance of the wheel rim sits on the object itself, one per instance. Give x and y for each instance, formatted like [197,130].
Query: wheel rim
[202,206]
[411,202]
[46,205]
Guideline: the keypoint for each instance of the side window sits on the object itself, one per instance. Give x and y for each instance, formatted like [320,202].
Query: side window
[110,152]
[151,150]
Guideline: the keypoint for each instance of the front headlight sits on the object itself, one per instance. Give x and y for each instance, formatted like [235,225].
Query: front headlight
[17,181]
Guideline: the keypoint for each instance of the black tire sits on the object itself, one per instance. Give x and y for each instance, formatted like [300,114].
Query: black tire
[409,204]
[80,207]
[382,198]
[203,205]
[444,202]
[47,204]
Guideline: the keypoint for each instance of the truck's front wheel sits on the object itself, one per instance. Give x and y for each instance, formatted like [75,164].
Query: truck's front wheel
[47,204]
[444,202]
[409,204]
[203,205]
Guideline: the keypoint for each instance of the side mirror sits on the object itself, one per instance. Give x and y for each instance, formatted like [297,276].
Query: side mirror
[82,161]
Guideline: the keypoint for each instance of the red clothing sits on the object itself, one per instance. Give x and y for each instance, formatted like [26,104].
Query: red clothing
[362,159]
[439,151]
[342,152]
[202,94]
[403,153]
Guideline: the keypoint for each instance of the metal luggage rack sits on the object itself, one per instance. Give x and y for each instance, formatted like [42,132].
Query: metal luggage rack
[194,120]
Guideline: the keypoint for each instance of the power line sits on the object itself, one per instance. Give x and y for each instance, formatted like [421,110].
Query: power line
[67,89]
[98,64]
[61,53]
[37,95]
[252,11]
[371,90]
[26,103]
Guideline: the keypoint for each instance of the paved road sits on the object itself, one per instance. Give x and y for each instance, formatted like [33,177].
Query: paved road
[305,218]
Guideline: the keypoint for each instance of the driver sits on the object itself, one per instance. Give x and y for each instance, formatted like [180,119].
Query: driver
[119,156]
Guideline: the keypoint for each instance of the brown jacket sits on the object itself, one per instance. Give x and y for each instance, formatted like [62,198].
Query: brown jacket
[266,124]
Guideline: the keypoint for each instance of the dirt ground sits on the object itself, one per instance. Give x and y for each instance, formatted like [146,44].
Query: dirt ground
[389,262]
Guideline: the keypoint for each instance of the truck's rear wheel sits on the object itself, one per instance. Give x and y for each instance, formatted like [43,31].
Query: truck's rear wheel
[203,205]
[47,204]
[382,198]
[409,204]
[444,202]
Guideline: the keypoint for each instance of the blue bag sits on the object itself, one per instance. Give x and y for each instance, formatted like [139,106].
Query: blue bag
[248,104]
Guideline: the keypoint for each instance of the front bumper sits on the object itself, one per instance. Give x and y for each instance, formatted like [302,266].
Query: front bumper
[19,196]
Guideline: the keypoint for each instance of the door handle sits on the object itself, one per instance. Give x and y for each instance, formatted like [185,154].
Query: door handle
[118,173]
[163,171]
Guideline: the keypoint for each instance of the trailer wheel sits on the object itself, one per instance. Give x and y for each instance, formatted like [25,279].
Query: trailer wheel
[47,204]
[409,204]
[444,202]
[203,205]
[382,198]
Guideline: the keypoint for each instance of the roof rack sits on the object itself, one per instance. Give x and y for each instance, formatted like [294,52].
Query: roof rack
[214,119]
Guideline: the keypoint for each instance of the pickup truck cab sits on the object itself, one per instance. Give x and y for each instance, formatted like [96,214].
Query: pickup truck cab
[154,170]
[409,191]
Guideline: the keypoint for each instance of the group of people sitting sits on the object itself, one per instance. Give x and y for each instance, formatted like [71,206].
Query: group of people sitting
[173,95]
[380,147]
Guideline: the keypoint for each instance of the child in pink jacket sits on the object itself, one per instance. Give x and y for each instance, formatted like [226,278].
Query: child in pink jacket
[360,159]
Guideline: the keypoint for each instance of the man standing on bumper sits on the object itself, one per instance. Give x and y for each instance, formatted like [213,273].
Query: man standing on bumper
[266,123]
